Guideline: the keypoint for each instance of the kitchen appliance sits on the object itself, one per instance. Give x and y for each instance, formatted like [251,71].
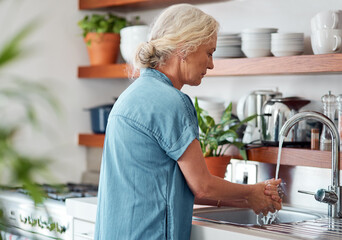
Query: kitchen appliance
[251,104]
[48,221]
[276,112]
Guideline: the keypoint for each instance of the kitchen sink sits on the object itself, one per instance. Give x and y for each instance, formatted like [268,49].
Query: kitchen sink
[246,217]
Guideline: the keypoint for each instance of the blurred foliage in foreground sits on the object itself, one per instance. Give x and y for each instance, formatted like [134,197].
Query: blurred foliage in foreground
[21,169]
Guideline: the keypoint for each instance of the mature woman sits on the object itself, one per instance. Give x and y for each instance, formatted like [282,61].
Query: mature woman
[152,165]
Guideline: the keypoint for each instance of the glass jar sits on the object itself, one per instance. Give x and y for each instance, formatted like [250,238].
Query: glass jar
[329,106]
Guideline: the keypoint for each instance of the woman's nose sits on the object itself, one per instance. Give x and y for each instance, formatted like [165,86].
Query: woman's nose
[211,63]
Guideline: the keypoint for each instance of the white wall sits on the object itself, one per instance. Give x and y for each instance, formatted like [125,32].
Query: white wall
[287,16]
[59,50]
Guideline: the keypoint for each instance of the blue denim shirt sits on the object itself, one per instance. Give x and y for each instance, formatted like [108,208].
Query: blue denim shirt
[142,192]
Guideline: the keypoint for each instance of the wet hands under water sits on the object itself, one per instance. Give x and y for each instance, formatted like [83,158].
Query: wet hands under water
[271,216]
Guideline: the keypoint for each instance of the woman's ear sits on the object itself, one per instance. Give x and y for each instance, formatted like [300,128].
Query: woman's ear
[181,55]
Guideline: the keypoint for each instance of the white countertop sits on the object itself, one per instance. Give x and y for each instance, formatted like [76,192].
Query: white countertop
[85,209]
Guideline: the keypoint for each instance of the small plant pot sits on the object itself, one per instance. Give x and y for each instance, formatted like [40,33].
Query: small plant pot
[103,48]
[217,165]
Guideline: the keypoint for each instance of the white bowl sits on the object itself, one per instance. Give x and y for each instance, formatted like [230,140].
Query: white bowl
[260,30]
[288,41]
[252,36]
[251,44]
[287,46]
[128,51]
[254,52]
[287,35]
[227,52]
[228,42]
[285,53]
[227,36]
[134,32]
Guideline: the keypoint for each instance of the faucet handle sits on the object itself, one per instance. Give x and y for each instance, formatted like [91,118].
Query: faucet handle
[323,195]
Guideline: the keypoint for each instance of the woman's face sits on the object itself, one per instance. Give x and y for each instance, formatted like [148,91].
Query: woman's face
[195,65]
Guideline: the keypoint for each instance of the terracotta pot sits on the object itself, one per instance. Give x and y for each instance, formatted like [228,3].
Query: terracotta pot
[103,48]
[217,165]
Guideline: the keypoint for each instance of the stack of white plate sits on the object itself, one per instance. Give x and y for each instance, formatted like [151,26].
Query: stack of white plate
[214,106]
[256,42]
[287,44]
[228,46]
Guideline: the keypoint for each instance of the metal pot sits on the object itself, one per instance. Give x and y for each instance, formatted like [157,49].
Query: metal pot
[99,116]
[276,112]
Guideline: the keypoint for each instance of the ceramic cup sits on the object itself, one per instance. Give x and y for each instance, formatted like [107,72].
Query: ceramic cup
[327,20]
[326,41]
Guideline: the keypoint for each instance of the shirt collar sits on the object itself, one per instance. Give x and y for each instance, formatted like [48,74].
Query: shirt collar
[155,73]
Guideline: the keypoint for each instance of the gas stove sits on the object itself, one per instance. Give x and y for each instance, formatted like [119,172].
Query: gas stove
[47,221]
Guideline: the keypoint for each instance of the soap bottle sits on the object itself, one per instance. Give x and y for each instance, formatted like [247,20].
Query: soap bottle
[329,106]
[339,105]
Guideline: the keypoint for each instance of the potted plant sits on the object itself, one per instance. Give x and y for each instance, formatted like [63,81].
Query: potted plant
[102,36]
[216,138]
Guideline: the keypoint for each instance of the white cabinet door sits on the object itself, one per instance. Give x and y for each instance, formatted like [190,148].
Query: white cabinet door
[83,230]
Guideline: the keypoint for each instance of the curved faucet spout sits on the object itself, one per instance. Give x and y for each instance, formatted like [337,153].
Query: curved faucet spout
[334,209]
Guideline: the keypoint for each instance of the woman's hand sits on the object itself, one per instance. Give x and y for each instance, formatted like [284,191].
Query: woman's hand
[271,189]
[264,197]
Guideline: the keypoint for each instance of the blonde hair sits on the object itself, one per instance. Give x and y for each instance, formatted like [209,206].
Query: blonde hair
[181,27]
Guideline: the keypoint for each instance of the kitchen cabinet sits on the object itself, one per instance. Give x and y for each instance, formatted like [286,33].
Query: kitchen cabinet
[83,212]
[83,230]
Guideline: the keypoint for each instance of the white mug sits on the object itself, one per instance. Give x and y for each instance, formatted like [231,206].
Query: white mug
[327,20]
[326,41]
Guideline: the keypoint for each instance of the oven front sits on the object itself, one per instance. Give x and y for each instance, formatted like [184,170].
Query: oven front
[21,218]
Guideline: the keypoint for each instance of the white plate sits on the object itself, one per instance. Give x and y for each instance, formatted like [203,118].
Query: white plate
[287,35]
[285,53]
[260,30]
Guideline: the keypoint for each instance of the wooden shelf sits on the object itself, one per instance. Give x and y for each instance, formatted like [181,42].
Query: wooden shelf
[292,156]
[105,71]
[91,140]
[129,5]
[325,63]
[289,156]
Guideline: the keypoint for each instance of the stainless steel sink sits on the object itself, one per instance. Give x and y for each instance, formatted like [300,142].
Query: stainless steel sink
[246,217]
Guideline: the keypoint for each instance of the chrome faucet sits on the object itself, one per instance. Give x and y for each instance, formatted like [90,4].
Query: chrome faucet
[332,196]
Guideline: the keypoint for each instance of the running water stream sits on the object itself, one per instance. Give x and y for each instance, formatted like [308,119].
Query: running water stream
[272,217]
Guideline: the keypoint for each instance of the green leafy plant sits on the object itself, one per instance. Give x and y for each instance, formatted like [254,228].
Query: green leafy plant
[107,23]
[216,138]
[20,168]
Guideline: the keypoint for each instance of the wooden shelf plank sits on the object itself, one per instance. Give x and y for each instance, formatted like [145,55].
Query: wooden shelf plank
[91,140]
[129,5]
[289,156]
[325,63]
[292,156]
[105,71]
